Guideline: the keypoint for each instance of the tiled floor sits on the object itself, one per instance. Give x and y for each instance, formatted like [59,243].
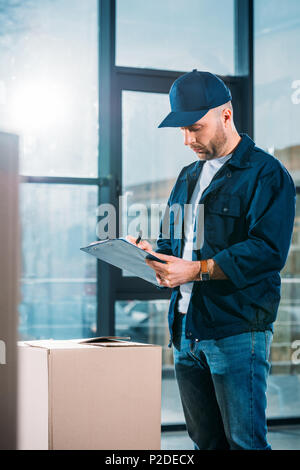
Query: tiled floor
[287,438]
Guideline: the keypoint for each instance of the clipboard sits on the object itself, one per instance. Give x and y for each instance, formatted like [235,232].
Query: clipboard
[124,255]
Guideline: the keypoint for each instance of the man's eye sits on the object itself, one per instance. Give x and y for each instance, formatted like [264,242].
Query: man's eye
[191,130]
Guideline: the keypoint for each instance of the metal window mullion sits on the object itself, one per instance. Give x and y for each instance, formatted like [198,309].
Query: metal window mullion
[106,284]
[64,180]
[244,63]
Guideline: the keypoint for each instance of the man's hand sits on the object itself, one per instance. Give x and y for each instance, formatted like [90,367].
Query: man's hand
[178,271]
[175,272]
[142,244]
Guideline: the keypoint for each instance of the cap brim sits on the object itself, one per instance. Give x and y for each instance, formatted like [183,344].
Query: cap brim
[183,119]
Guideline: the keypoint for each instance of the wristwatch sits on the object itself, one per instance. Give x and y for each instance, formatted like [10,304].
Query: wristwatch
[204,274]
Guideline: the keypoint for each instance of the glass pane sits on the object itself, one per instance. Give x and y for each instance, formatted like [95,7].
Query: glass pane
[284,382]
[174,35]
[58,281]
[48,84]
[277,117]
[277,81]
[146,322]
[152,160]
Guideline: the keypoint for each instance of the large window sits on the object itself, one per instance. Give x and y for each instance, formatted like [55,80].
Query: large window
[49,96]
[58,281]
[48,84]
[277,118]
[176,35]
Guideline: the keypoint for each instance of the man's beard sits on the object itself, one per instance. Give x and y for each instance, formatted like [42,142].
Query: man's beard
[217,144]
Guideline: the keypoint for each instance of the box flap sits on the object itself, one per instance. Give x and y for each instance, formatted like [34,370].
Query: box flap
[120,344]
[53,344]
[110,341]
[101,341]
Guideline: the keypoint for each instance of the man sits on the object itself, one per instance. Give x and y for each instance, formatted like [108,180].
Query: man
[226,292]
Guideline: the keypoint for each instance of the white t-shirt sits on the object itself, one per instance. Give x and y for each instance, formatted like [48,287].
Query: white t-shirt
[209,169]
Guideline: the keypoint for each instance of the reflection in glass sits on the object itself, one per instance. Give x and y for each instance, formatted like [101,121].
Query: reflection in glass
[48,84]
[277,81]
[173,35]
[58,281]
[277,118]
[146,322]
[152,161]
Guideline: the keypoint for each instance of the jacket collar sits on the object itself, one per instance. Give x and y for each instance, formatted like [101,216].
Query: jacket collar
[240,157]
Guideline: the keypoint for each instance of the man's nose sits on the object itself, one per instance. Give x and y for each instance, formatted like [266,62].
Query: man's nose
[189,137]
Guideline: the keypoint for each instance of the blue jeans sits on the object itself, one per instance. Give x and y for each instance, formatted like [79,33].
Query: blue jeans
[222,385]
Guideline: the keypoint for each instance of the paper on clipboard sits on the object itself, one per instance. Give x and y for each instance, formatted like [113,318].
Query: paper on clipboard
[124,255]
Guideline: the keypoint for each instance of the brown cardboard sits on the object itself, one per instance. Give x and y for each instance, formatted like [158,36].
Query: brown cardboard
[78,394]
[32,398]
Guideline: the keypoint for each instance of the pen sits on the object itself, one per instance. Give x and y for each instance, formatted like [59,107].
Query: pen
[137,241]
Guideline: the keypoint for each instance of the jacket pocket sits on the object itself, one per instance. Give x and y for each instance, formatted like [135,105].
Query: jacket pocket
[226,205]
[223,221]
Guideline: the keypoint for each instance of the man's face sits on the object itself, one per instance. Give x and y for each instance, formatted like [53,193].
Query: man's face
[206,137]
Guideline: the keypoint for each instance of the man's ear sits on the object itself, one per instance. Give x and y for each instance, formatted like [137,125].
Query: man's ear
[227,116]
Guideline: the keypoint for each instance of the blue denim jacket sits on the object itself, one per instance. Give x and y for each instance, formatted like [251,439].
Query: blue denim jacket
[249,211]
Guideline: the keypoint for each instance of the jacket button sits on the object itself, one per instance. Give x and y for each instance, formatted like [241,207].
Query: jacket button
[228,174]
[225,209]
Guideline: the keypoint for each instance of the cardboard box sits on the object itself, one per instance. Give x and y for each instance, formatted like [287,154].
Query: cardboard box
[98,393]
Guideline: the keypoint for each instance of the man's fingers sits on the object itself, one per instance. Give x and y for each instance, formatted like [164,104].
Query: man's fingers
[157,266]
[142,244]
[161,281]
[130,238]
[164,257]
[146,246]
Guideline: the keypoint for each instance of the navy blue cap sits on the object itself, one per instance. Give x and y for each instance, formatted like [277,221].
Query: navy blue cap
[192,95]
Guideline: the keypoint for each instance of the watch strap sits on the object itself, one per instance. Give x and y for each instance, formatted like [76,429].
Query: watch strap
[204,273]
